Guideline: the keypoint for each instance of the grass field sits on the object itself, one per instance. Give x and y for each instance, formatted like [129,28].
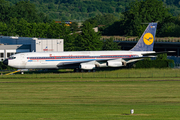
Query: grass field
[122,73]
[55,98]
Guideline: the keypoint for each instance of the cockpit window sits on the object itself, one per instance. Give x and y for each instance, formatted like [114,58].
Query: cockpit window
[12,57]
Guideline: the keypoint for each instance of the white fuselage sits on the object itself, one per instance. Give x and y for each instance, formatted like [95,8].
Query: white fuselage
[52,60]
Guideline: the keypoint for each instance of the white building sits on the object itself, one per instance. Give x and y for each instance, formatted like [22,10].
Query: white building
[10,45]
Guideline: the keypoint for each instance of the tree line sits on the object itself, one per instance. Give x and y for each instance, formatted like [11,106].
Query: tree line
[132,23]
[84,9]
[22,9]
[87,40]
[136,18]
[24,20]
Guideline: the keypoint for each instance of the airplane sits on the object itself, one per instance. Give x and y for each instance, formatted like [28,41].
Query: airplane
[87,60]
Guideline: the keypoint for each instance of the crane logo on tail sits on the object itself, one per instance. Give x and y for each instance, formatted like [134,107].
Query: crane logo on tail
[148,38]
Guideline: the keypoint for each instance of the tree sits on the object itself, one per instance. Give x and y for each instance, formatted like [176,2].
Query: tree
[89,40]
[162,56]
[74,26]
[12,26]
[169,30]
[109,24]
[109,44]
[54,30]
[145,11]
[22,28]
[5,10]
[115,29]
[3,28]
[33,29]
[105,19]
[83,9]
[27,11]
[69,42]
[42,30]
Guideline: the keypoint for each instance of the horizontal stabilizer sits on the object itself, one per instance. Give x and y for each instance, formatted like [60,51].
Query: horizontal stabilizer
[157,53]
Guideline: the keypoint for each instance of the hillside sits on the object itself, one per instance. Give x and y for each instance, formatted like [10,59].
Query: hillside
[80,10]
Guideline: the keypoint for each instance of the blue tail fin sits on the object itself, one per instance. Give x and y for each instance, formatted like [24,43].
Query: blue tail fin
[146,42]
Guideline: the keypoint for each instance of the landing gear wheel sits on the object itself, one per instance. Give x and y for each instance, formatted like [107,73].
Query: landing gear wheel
[76,70]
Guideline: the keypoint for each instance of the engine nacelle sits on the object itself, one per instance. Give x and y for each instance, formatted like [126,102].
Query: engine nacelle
[86,66]
[115,63]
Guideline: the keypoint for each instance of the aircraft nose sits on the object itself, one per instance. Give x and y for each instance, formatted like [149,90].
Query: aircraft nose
[5,62]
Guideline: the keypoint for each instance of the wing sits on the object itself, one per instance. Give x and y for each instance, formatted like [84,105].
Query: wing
[124,60]
[97,62]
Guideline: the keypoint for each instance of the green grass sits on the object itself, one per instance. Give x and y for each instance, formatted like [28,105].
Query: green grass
[55,98]
[122,73]
[152,93]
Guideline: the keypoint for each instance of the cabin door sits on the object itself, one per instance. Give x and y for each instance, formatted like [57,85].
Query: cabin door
[23,60]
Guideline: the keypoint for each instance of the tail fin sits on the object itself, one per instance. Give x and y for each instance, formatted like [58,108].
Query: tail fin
[146,42]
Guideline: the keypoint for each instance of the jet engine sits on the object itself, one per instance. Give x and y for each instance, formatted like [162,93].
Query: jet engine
[116,63]
[86,66]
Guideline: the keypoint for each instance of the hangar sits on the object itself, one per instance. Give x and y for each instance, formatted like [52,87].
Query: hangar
[10,45]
